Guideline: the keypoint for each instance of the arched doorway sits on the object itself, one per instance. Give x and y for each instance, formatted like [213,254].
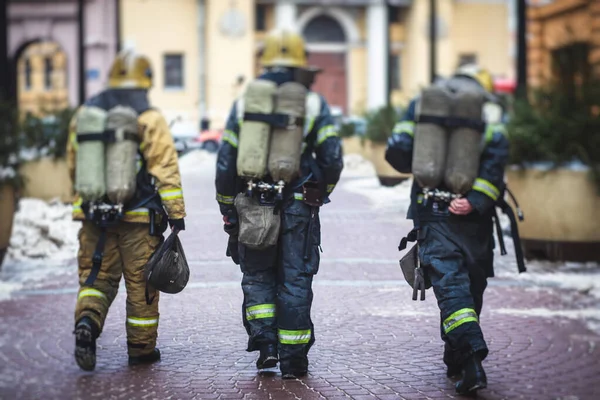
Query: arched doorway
[326,41]
[41,77]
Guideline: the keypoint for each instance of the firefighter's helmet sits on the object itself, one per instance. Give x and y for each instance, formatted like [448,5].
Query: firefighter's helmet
[284,48]
[481,75]
[130,70]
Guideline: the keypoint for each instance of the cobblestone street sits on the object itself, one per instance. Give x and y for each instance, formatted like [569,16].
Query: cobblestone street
[373,341]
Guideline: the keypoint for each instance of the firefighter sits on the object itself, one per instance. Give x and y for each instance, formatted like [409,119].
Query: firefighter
[112,244]
[277,281]
[455,238]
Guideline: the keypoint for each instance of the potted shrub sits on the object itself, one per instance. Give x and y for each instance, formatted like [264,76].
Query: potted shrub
[10,179]
[555,172]
[351,131]
[45,139]
[380,125]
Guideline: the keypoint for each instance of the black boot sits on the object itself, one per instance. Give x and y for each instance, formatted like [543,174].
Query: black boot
[453,371]
[268,357]
[473,376]
[293,374]
[146,358]
[86,332]
[294,368]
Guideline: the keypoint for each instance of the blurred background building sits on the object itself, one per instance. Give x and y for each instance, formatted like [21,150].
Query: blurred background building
[204,51]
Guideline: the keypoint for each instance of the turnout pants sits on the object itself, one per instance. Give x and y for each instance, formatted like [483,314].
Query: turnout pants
[128,248]
[277,287]
[458,257]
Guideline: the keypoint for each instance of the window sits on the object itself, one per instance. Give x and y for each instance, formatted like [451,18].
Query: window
[396,72]
[324,29]
[174,71]
[570,67]
[396,15]
[48,72]
[467,58]
[260,21]
[28,72]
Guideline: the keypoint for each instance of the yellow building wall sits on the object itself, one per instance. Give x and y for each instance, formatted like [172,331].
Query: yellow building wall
[482,29]
[229,59]
[155,30]
[357,80]
[416,54]
[38,99]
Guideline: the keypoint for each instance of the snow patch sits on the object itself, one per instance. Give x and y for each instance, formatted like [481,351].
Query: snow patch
[7,173]
[43,230]
[43,243]
[357,166]
[394,199]
[6,289]
[397,312]
[197,162]
[591,316]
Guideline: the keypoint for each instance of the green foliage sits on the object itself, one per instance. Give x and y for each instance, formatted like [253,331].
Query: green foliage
[558,127]
[380,123]
[48,134]
[39,136]
[9,145]
[347,130]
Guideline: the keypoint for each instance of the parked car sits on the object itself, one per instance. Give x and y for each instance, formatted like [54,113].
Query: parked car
[186,138]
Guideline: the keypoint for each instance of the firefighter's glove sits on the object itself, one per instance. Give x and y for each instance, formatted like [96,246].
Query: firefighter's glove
[232,249]
[178,224]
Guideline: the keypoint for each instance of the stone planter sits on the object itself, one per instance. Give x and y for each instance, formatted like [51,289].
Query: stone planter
[47,179]
[7,211]
[562,214]
[352,145]
[388,176]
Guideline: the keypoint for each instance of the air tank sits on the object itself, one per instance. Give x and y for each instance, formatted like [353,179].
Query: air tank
[89,172]
[464,146]
[254,137]
[121,154]
[430,139]
[286,143]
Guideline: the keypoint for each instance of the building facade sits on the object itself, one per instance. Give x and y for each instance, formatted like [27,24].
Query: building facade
[205,51]
[44,50]
[564,42]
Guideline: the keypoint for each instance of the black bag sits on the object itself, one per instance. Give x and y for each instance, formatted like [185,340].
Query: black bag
[167,270]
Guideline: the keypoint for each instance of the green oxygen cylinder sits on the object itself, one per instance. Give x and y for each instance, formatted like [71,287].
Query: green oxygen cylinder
[286,143]
[431,139]
[121,154]
[464,146]
[254,137]
[89,167]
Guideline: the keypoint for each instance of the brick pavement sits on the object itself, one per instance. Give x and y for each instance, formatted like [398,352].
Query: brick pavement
[372,340]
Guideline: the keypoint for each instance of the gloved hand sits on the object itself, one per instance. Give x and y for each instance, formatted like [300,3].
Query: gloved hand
[177,223]
[230,223]
[233,250]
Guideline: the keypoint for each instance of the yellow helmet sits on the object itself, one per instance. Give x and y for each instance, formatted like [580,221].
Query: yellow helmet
[283,48]
[481,75]
[130,70]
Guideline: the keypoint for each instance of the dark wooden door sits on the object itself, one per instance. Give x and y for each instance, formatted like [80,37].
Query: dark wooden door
[332,82]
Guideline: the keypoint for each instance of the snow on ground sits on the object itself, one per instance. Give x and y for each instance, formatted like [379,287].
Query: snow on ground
[365,182]
[43,244]
[44,238]
[197,162]
[581,277]
[43,230]
[356,166]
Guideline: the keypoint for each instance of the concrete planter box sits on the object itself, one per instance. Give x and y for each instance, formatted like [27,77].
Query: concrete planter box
[353,145]
[388,176]
[8,204]
[562,213]
[47,179]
